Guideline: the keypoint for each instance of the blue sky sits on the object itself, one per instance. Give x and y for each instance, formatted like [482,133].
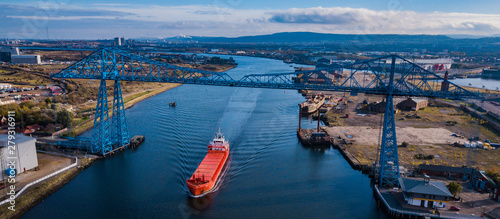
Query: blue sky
[98,19]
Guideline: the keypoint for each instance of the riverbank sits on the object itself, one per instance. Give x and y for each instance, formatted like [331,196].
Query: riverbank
[130,100]
[36,194]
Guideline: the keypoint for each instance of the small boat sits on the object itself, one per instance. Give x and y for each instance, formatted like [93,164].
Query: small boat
[312,104]
[209,170]
[172,104]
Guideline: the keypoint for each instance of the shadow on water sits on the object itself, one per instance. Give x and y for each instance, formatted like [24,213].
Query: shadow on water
[201,203]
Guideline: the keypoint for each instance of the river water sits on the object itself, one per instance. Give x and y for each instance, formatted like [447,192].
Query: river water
[490,84]
[270,174]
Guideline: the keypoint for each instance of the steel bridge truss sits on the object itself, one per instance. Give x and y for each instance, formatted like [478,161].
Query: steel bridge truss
[389,76]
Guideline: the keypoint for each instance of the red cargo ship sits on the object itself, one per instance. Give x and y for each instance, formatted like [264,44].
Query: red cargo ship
[206,176]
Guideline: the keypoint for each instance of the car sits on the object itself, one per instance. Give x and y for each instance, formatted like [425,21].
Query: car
[454,208]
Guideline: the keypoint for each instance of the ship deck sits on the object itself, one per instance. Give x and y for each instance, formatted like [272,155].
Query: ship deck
[209,165]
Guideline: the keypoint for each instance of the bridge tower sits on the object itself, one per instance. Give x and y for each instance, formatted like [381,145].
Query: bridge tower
[119,127]
[389,162]
[101,141]
[107,133]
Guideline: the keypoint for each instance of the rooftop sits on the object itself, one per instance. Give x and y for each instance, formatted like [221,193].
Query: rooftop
[421,187]
[444,168]
[417,100]
[19,138]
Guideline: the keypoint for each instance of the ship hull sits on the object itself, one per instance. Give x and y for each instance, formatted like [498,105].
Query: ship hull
[311,108]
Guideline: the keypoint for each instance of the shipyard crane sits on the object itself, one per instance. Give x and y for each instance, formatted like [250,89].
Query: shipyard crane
[389,76]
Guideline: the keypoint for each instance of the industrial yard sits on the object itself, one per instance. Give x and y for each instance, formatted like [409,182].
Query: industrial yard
[432,130]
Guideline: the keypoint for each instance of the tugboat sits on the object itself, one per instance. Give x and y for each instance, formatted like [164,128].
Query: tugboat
[209,170]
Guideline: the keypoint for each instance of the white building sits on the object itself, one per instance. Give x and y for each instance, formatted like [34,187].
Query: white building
[25,157]
[11,50]
[6,101]
[5,86]
[425,193]
[26,59]
[434,64]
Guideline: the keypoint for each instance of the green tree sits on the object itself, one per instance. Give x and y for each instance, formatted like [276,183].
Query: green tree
[27,104]
[493,174]
[48,100]
[62,117]
[455,188]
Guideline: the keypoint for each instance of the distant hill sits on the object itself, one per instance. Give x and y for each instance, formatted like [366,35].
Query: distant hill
[309,37]
[368,42]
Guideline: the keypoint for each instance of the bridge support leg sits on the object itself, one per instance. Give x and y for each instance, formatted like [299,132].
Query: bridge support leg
[389,162]
[101,142]
[119,128]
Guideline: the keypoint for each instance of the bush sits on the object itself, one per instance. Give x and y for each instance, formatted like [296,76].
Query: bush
[404,144]
[423,157]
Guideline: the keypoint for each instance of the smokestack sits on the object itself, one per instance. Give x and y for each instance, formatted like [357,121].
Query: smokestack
[445,85]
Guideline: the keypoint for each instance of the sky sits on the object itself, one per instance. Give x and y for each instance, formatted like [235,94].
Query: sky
[105,19]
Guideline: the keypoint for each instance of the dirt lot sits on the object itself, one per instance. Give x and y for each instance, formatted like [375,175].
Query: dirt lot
[367,135]
[428,132]
[47,163]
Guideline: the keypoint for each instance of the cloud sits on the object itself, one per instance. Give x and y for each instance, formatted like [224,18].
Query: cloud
[365,21]
[210,12]
[321,15]
[109,20]
[48,11]
[475,26]
[195,25]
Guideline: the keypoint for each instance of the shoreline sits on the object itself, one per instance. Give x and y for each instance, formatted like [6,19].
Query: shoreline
[37,193]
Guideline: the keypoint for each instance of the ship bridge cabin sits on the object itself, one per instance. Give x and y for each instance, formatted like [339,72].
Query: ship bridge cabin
[219,143]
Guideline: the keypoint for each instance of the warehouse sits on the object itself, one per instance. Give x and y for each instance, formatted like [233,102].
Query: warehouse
[26,59]
[24,158]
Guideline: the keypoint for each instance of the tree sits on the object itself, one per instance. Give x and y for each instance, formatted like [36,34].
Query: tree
[62,117]
[493,174]
[455,188]
[48,100]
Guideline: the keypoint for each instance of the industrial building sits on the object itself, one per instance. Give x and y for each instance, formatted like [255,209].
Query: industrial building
[413,104]
[12,54]
[458,173]
[25,157]
[7,52]
[26,59]
[425,193]
[427,64]
[118,41]
[434,64]
[493,73]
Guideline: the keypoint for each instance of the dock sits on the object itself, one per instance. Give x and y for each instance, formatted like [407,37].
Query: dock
[134,143]
[312,138]
[393,203]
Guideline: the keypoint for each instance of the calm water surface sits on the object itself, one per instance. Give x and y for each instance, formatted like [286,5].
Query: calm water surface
[478,82]
[270,174]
